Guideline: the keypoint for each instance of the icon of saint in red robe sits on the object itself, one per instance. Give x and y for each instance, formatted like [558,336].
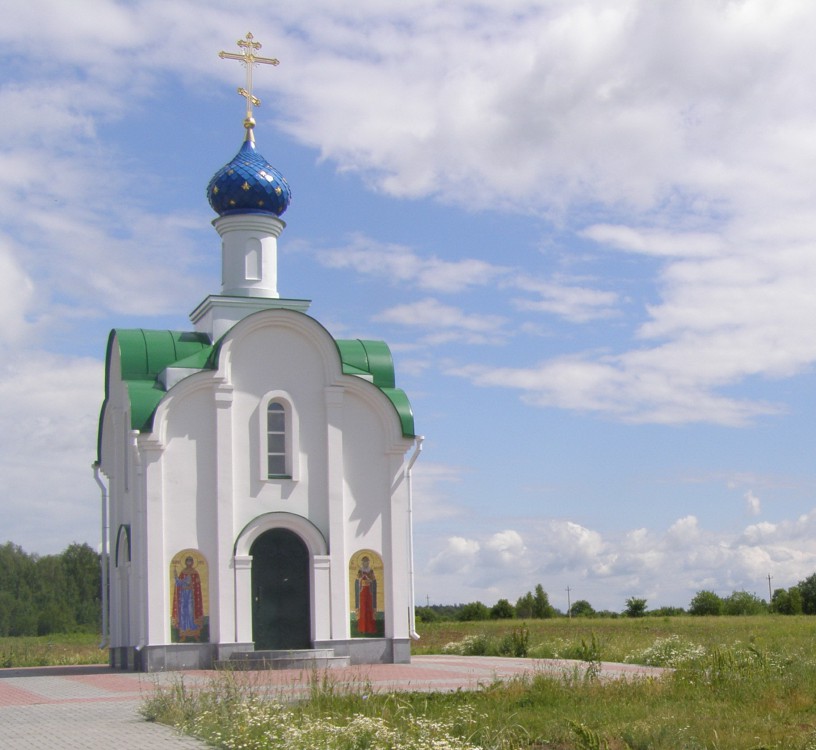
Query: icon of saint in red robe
[365,598]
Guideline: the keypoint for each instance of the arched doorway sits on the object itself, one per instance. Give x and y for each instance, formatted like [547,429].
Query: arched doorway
[280,591]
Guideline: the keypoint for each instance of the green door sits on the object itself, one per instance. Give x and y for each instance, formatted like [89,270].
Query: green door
[280,591]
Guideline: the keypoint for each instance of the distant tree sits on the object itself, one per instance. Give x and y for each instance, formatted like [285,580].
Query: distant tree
[542,608]
[425,614]
[502,610]
[795,594]
[525,606]
[582,608]
[807,591]
[744,603]
[635,607]
[780,602]
[706,603]
[17,585]
[50,594]
[474,611]
[447,612]
[666,612]
[51,597]
[84,584]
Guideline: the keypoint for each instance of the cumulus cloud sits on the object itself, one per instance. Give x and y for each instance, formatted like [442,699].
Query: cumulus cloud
[668,567]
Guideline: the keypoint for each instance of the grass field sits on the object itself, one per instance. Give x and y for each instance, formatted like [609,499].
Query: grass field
[619,639]
[738,683]
[52,650]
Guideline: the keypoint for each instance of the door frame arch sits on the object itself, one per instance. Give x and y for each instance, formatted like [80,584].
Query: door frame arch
[303,527]
[319,575]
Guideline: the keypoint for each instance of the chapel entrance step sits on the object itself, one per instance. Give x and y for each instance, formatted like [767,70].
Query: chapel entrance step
[306,658]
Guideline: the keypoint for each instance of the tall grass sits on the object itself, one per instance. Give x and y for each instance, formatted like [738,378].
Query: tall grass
[51,650]
[619,638]
[757,690]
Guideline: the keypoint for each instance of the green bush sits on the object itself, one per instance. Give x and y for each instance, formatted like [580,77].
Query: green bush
[502,610]
[706,603]
[474,611]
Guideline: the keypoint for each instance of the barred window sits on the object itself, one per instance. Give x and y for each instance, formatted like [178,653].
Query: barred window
[276,440]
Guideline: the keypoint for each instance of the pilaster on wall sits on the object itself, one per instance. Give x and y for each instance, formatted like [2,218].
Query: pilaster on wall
[152,615]
[222,593]
[322,606]
[396,551]
[242,565]
[337,511]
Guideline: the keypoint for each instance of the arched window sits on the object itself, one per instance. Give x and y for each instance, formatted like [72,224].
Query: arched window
[276,441]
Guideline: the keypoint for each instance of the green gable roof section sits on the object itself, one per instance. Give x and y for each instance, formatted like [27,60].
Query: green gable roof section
[368,357]
[372,360]
[145,355]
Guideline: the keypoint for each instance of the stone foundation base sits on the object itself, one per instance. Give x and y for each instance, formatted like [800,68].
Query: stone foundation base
[177,656]
[371,650]
[174,656]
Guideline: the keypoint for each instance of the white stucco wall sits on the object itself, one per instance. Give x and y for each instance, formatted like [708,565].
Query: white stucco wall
[200,481]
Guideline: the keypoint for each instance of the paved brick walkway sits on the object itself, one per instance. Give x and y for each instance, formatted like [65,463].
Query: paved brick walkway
[95,708]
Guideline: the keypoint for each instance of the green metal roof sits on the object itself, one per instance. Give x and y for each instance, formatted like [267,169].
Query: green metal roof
[145,354]
[372,357]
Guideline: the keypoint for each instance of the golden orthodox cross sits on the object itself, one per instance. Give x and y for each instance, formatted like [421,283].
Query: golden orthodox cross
[250,59]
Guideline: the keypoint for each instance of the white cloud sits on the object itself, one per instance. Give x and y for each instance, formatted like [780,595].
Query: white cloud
[399,264]
[577,304]
[638,102]
[685,532]
[458,556]
[49,405]
[447,323]
[505,549]
[753,505]
[636,109]
[668,567]
[430,481]
[16,292]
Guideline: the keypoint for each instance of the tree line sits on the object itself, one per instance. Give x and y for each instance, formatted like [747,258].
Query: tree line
[41,595]
[796,600]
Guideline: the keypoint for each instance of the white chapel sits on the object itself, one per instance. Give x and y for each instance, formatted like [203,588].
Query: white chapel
[256,470]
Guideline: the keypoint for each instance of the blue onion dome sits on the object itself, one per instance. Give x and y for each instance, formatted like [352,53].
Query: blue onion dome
[248,184]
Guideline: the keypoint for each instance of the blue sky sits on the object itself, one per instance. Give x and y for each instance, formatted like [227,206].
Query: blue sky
[586,229]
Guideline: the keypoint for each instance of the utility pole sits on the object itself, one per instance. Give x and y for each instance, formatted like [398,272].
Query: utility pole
[770,595]
[569,604]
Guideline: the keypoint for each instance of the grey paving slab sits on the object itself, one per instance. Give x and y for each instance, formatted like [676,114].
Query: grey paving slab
[94,708]
[88,725]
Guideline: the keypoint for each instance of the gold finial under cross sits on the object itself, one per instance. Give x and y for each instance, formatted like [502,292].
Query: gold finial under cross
[250,59]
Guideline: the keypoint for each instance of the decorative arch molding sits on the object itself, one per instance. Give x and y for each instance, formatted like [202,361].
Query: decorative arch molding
[303,527]
[379,404]
[303,324]
[205,380]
